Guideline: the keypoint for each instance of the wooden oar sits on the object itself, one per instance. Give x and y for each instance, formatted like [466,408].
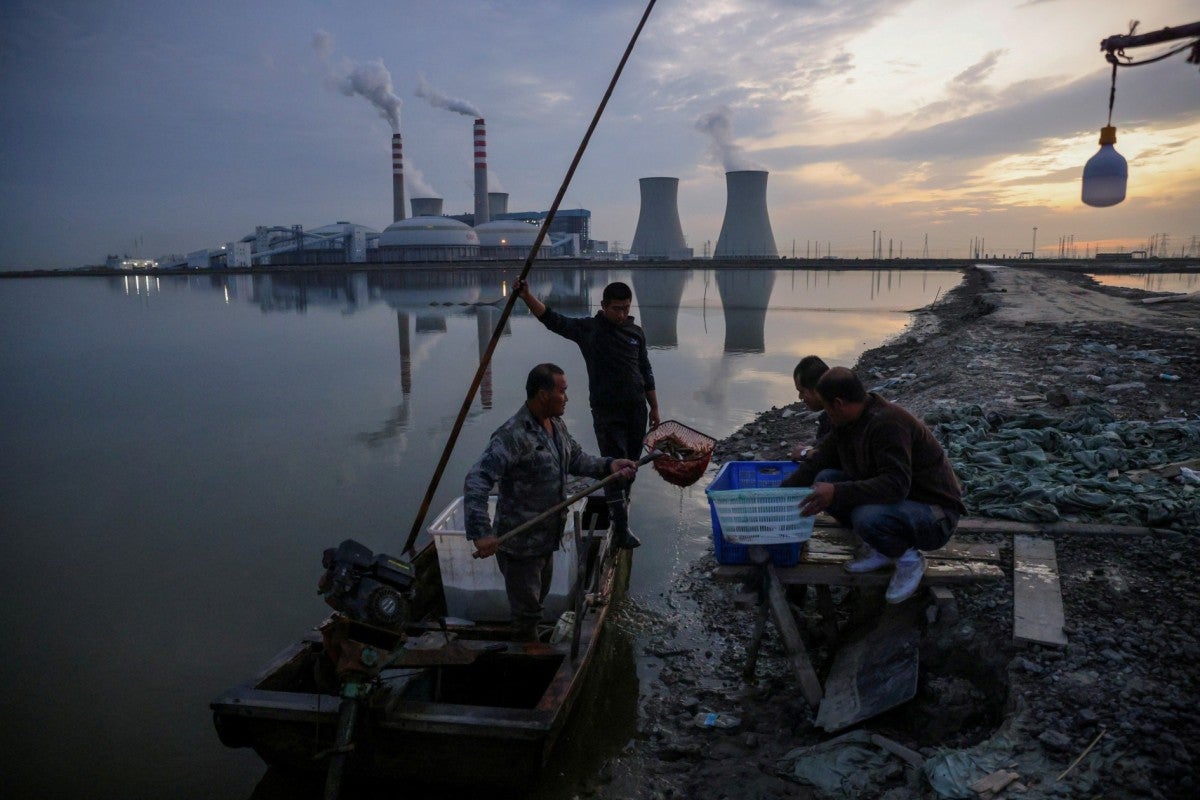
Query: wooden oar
[646,459]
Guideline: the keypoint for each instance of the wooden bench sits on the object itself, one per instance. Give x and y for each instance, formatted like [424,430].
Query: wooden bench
[820,565]
[822,558]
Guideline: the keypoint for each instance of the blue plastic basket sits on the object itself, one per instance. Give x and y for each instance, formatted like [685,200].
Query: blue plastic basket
[748,475]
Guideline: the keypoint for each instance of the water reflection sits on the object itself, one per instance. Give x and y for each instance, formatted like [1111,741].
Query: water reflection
[194,503]
[1153,282]
[658,293]
[745,295]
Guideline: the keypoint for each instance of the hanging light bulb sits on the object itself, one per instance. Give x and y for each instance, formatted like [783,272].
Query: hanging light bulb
[1106,173]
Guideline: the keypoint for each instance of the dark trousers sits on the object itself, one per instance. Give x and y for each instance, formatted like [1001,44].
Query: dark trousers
[892,528]
[526,582]
[619,434]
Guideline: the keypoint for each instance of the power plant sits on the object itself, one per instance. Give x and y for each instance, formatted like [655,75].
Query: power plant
[746,230]
[492,232]
[659,234]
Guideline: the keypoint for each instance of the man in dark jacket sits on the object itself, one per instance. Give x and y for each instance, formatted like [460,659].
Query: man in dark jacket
[620,384]
[882,473]
[805,376]
[529,458]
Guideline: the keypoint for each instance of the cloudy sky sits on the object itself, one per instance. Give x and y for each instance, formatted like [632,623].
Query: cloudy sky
[150,128]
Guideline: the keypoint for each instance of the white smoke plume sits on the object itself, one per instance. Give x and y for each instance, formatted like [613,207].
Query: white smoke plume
[494,182]
[415,184]
[371,80]
[718,126]
[439,100]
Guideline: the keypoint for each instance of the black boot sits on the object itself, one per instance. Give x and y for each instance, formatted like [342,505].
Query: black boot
[618,515]
[625,540]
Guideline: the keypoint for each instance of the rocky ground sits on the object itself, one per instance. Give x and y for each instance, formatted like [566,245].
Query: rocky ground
[1006,339]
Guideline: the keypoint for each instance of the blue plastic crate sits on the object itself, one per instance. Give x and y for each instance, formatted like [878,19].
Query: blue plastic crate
[750,475]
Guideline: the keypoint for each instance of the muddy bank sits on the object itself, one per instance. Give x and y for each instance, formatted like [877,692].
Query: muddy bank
[1010,342]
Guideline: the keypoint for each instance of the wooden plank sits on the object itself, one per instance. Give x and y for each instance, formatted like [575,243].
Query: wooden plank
[1004,526]
[821,550]
[1037,596]
[937,573]
[810,686]
[897,749]
[994,783]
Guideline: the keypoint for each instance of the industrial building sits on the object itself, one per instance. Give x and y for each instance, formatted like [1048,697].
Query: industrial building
[491,231]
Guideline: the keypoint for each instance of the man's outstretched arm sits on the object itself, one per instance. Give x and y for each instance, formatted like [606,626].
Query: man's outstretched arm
[535,306]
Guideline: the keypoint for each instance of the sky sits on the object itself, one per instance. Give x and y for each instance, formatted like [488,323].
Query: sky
[149,128]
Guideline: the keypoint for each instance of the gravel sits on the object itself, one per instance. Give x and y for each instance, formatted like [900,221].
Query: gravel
[1127,680]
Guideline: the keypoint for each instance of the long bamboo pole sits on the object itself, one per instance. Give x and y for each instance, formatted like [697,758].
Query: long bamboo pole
[486,359]
[560,505]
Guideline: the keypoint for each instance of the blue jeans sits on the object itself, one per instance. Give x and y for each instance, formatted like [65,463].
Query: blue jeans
[891,528]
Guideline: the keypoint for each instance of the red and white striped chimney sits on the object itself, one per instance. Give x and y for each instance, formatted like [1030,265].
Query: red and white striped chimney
[397,179]
[481,192]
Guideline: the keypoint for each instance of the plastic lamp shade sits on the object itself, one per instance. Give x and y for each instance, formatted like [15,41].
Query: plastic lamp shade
[1106,173]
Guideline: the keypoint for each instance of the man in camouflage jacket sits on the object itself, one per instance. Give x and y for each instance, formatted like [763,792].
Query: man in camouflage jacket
[530,458]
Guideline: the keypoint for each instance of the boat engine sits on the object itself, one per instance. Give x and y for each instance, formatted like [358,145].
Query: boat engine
[368,588]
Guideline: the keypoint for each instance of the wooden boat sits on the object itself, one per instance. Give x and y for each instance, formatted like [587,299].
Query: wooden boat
[467,706]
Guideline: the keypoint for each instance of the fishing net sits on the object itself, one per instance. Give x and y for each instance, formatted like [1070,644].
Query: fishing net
[686,452]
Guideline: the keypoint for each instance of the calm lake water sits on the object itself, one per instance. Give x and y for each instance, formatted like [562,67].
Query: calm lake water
[1153,281]
[177,452]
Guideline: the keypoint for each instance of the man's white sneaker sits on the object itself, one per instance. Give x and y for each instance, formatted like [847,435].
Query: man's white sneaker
[910,567]
[869,561]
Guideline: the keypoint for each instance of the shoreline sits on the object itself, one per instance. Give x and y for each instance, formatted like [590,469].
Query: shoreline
[1009,344]
[1080,265]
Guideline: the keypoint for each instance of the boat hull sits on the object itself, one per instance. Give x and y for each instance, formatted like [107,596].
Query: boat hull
[492,722]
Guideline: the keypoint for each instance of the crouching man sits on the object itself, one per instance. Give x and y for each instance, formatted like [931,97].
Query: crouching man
[881,473]
[530,458]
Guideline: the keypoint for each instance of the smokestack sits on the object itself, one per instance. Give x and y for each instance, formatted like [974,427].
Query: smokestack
[497,204]
[659,234]
[397,179]
[746,231]
[427,206]
[481,192]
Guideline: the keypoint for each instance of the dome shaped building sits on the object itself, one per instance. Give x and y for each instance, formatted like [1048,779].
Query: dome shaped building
[507,239]
[427,238]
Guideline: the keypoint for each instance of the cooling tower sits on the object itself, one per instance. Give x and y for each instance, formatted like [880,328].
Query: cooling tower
[397,179]
[659,234]
[481,192]
[427,206]
[497,204]
[746,231]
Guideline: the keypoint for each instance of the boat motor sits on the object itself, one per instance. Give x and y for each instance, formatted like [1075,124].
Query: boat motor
[368,588]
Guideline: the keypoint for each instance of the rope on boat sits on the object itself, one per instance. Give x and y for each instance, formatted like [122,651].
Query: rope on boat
[512,298]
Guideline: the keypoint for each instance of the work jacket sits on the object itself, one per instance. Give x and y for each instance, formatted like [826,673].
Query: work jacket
[531,469]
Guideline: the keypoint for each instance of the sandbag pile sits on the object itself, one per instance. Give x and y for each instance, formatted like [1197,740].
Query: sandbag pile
[1031,466]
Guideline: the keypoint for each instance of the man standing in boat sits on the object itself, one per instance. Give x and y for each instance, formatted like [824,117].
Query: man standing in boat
[882,473]
[530,458]
[620,384]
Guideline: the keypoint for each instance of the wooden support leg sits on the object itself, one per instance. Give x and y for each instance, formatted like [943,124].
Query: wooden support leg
[828,611]
[810,686]
[760,628]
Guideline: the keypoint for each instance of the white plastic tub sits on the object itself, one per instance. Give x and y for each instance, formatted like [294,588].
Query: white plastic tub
[474,587]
